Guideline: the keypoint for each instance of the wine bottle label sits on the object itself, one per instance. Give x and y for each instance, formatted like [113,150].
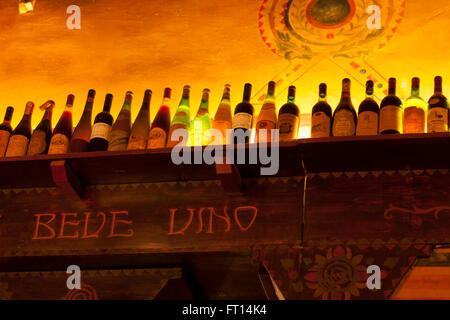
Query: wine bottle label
[4,138]
[437,120]
[137,143]
[242,120]
[101,130]
[391,119]
[17,146]
[414,120]
[343,124]
[118,140]
[367,124]
[320,125]
[157,139]
[38,143]
[59,144]
[288,125]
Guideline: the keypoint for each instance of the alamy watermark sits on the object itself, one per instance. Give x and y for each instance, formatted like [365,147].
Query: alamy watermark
[258,153]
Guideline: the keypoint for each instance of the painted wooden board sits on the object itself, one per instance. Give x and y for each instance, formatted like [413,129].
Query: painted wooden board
[163,217]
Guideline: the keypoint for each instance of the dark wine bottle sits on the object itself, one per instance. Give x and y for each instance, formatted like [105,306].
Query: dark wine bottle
[62,133]
[243,115]
[5,131]
[321,115]
[40,139]
[391,111]
[159,130]
[141,126]
[102,127]
[344,117]
[437,109]
[368,114]
[82,133]
[20,137]
[289,118]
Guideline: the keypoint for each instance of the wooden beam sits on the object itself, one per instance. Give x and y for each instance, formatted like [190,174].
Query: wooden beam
[229,176]
[67,180]
[267,284]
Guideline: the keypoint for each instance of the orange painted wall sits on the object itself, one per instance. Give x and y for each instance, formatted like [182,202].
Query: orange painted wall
[133,45]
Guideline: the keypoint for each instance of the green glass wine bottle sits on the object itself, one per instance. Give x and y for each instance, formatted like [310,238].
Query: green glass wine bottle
[202,122]
[122,126]
[181,121]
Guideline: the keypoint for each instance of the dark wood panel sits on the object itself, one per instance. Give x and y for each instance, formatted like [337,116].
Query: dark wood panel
[151,218]
[399,207]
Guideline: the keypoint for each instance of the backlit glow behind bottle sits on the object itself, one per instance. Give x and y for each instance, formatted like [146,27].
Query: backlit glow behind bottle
[414,110]
[223,118]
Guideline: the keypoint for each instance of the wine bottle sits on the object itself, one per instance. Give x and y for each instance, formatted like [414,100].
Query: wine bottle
[415,110]
[243,115]
[437,109]
[5,130]
[181,120]
[40,139]
[121,129]
[368,114]
[289,118]
[102,127]
[62,133]
[391,112]
[82,133]
[267,118]
[202,122]
[223,117]
[141,126]
[161,124]
[344,117]
[321,115]
[20,137]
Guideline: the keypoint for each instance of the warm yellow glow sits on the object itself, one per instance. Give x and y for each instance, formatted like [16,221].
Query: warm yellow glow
[26,6]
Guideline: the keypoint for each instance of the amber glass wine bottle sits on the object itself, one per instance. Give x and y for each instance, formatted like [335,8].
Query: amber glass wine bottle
[5,130]
[223,117]
[101,130]
[20,137]
[344,117]
[321,115]
[289,118]
[391,112]
[415,110]
[161,124]
[82,133]
[243,115]
[63,131]
[437,109]
[181,120]
[40,139]
[267,118]
[141,126]
[202,122]
[368,114]
[122,126]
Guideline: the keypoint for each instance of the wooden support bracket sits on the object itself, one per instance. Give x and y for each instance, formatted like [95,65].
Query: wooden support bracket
[269,286]
[229,176]
[67,180]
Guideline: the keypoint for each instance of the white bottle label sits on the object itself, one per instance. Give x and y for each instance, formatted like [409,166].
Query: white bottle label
[157,139]
[343,124]
[59,144]
[4,138]
[367,124]
[38,143]
[101,130]
[391,119]
[17,147]
[242,120]
[414,120]
[320,125]
[288,125]
[437,120]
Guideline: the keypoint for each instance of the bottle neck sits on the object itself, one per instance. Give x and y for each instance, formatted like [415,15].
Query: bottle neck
[322,98]
[415,91]
[438,86]
[48,114]
[185,100]
[247,93]
[226,96]
[8,115]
